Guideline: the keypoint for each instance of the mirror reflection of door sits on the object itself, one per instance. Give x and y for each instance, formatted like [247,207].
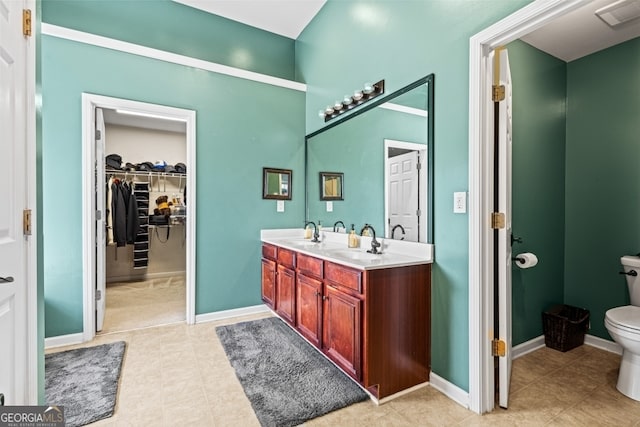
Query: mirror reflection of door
[405,191]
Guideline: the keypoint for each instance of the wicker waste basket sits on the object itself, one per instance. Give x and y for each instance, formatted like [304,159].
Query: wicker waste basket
[564,327]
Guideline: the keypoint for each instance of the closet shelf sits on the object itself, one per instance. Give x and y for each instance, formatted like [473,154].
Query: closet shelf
[145,173]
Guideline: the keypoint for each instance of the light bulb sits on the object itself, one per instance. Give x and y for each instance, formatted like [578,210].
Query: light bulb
[328,110]
[347,100]
[337,106]
[368,88]
[357,96]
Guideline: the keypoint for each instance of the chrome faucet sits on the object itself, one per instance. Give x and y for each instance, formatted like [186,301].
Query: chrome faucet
[315,231]
[393,231]
[374,243]
[335,226]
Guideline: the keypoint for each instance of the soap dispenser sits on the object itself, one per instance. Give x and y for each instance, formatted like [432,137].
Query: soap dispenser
[352,242]
[307,232]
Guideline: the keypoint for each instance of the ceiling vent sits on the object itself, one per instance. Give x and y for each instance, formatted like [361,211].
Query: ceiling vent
[619,12]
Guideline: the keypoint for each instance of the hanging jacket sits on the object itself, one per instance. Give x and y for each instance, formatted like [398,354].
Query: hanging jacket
[119,214]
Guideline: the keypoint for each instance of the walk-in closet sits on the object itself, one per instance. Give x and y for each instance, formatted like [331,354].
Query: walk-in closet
[146,203]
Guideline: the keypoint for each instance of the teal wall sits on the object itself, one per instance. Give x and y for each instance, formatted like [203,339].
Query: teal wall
[238,133]
[603,178]
[356,148]
[349,43]
[176,28]
[538,165]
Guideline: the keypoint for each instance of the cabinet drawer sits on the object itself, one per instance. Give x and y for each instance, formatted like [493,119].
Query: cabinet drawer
[269,251]
[343,276]
[310,266]
[286,257]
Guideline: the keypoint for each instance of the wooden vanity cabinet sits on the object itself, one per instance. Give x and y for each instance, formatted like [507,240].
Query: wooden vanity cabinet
[375,324]
[341,330]
[286,285]
[309,297]
[269,275]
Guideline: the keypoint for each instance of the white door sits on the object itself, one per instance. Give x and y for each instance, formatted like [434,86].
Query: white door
[504,131]
[13,193]
[403,185]
[101,238]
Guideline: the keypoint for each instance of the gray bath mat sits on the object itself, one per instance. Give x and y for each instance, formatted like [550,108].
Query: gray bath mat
[286,380]
[84,381]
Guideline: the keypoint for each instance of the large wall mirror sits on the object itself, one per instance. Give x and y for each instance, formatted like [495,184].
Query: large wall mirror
[385,153]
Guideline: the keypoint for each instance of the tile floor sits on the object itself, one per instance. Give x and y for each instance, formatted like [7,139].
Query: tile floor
[178,375]
[140,304]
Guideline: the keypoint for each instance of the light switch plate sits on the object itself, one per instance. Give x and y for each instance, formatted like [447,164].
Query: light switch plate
[280,205]
[460,202]
[329,206]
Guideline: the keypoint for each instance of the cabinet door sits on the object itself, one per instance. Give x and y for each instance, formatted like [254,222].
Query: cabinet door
[342,330]
[269,282]
[286,294]
[309,308]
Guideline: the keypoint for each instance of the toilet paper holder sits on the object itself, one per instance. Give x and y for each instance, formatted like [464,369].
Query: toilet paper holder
[518,259]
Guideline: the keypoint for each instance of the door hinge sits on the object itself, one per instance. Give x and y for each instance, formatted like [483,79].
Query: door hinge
[26,22]
[98,294]
[26,222]
[98,134]
[418,212]
[498,93]
[418,165]
[98,215]
[498,348]
[497,220]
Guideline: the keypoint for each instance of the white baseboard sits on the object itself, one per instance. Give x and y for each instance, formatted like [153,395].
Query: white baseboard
[603,344]
[63,340]
[527,347]
[449,389]
[236,312]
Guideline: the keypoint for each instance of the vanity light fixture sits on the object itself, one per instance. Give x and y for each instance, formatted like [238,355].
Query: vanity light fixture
[359,97]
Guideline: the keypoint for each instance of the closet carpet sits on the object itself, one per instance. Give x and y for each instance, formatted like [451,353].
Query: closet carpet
[136,305]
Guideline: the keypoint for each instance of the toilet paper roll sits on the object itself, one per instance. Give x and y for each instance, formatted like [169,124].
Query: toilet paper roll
[526,260]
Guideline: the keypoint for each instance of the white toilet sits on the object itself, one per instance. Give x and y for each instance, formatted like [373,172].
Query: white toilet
[623,324]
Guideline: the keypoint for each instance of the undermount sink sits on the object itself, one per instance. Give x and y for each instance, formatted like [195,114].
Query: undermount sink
[302,243]
[356,255]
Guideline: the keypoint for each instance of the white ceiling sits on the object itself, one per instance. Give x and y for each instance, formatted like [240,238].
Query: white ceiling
[570,37]
[581,33]
[285,17]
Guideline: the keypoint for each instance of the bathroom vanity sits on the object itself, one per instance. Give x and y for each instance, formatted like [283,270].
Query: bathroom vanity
[369,314]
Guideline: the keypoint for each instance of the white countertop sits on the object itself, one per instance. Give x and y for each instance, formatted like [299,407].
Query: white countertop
[333,247]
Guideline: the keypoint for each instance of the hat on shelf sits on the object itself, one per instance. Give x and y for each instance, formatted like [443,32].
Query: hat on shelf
[113,161]
[144,166]
[181,168]
[169,169]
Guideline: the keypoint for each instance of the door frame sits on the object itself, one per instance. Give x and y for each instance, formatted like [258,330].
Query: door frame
[512,27]
[422,178]
[89,103]
[34,342]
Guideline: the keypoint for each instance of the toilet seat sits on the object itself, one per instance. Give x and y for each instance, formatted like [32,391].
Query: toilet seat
[626,318]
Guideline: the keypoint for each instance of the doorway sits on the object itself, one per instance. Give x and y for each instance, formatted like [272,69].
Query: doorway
[405,184]
[156,263]
[144,260]
[481,259]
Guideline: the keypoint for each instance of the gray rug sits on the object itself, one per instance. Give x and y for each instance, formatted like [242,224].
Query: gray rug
[286,380]
[84,381]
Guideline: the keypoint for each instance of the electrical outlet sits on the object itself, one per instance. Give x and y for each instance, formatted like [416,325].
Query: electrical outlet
[329,206]
[460,202]
[279,205]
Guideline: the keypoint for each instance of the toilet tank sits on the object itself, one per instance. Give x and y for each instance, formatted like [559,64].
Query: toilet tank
[629,263]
